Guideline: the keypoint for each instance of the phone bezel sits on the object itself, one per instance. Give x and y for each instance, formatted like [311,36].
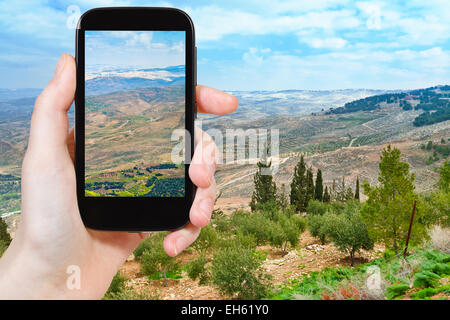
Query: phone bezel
[135,214]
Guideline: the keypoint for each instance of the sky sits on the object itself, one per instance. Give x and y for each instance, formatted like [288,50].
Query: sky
[138,49]
[259,44]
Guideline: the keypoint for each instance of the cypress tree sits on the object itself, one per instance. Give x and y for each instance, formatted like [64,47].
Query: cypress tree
[265,188]
[318,194]
[309,186]
[298,186]
[326,195]
[357,188]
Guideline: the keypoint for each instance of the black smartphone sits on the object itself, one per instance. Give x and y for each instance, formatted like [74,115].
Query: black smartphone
[134,118]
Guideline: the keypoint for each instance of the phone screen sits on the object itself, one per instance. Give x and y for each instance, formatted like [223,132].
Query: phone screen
[134,100]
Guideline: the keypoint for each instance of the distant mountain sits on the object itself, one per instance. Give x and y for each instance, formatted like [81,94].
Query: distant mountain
[434,101]
[254,105]
[12,94]
[106,81]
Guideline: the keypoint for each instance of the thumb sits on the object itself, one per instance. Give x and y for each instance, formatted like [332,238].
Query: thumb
[50,123]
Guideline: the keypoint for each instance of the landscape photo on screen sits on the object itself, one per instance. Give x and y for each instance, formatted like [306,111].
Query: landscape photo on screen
[134,100]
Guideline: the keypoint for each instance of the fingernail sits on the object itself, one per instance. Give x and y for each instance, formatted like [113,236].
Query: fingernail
[180,245]
[60,65]
[206,206]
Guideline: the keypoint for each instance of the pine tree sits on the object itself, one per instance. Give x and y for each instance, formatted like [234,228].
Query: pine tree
[387,211]
[318,194]
[326,195]
[309,186]
[357,189]
[265,188]
[298,186]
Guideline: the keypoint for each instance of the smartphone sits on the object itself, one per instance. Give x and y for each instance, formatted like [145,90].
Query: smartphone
[134,118]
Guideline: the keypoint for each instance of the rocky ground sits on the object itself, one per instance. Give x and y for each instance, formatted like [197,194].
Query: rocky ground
[309,256]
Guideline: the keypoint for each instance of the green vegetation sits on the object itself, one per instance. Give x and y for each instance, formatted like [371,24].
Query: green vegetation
[351,283]
[434,101]
[155,263]
[196,269]
[388,209]
[238,271]
[9,193]
[265,188]
[152,181]
[5,238]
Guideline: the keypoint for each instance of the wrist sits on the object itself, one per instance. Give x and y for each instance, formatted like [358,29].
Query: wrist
[23,275]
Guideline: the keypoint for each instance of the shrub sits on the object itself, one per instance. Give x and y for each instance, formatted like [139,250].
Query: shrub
[131,294]
[426,279]
[117,284]
[238,270]
[245,241]
[222,224]
[3,248]
[319,226]
[396,290]
[257,225]
[196,269]
[206,239]
[148,244]
[300,222]
[155,260]
[5,238]
[349,233]
[316,207]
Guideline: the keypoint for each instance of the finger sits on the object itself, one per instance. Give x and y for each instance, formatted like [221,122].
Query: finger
[203,205]
[49,123]
[210,100]
[179,240]
[71,144]
[203,163]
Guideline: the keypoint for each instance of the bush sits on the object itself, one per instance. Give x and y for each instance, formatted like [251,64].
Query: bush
[396,290]
[131,294]
[300,222]
[429,292]
[3,248]
[319,226]
[117,284]
[255,224]
[246,241]
[155,260]
[426,279]
[349,232]
[5,238]
[196,269]
[316,207]
[148,244]
[237,271]
[206,239]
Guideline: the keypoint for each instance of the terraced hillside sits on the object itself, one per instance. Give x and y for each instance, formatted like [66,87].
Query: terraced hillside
[128,136]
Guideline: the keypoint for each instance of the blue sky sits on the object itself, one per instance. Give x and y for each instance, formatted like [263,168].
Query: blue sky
[260,44]
[139,49]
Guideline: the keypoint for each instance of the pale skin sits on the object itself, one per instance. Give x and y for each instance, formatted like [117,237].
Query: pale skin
[51,236]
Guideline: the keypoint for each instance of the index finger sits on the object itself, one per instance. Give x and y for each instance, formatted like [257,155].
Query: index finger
[210,100]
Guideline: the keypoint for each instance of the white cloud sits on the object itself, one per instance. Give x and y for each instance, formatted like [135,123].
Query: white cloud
[213,23]
[326,43]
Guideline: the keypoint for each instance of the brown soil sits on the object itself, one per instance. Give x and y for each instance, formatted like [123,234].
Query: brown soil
[309,256]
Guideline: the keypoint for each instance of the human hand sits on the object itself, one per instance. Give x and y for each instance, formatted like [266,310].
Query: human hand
[51,235]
